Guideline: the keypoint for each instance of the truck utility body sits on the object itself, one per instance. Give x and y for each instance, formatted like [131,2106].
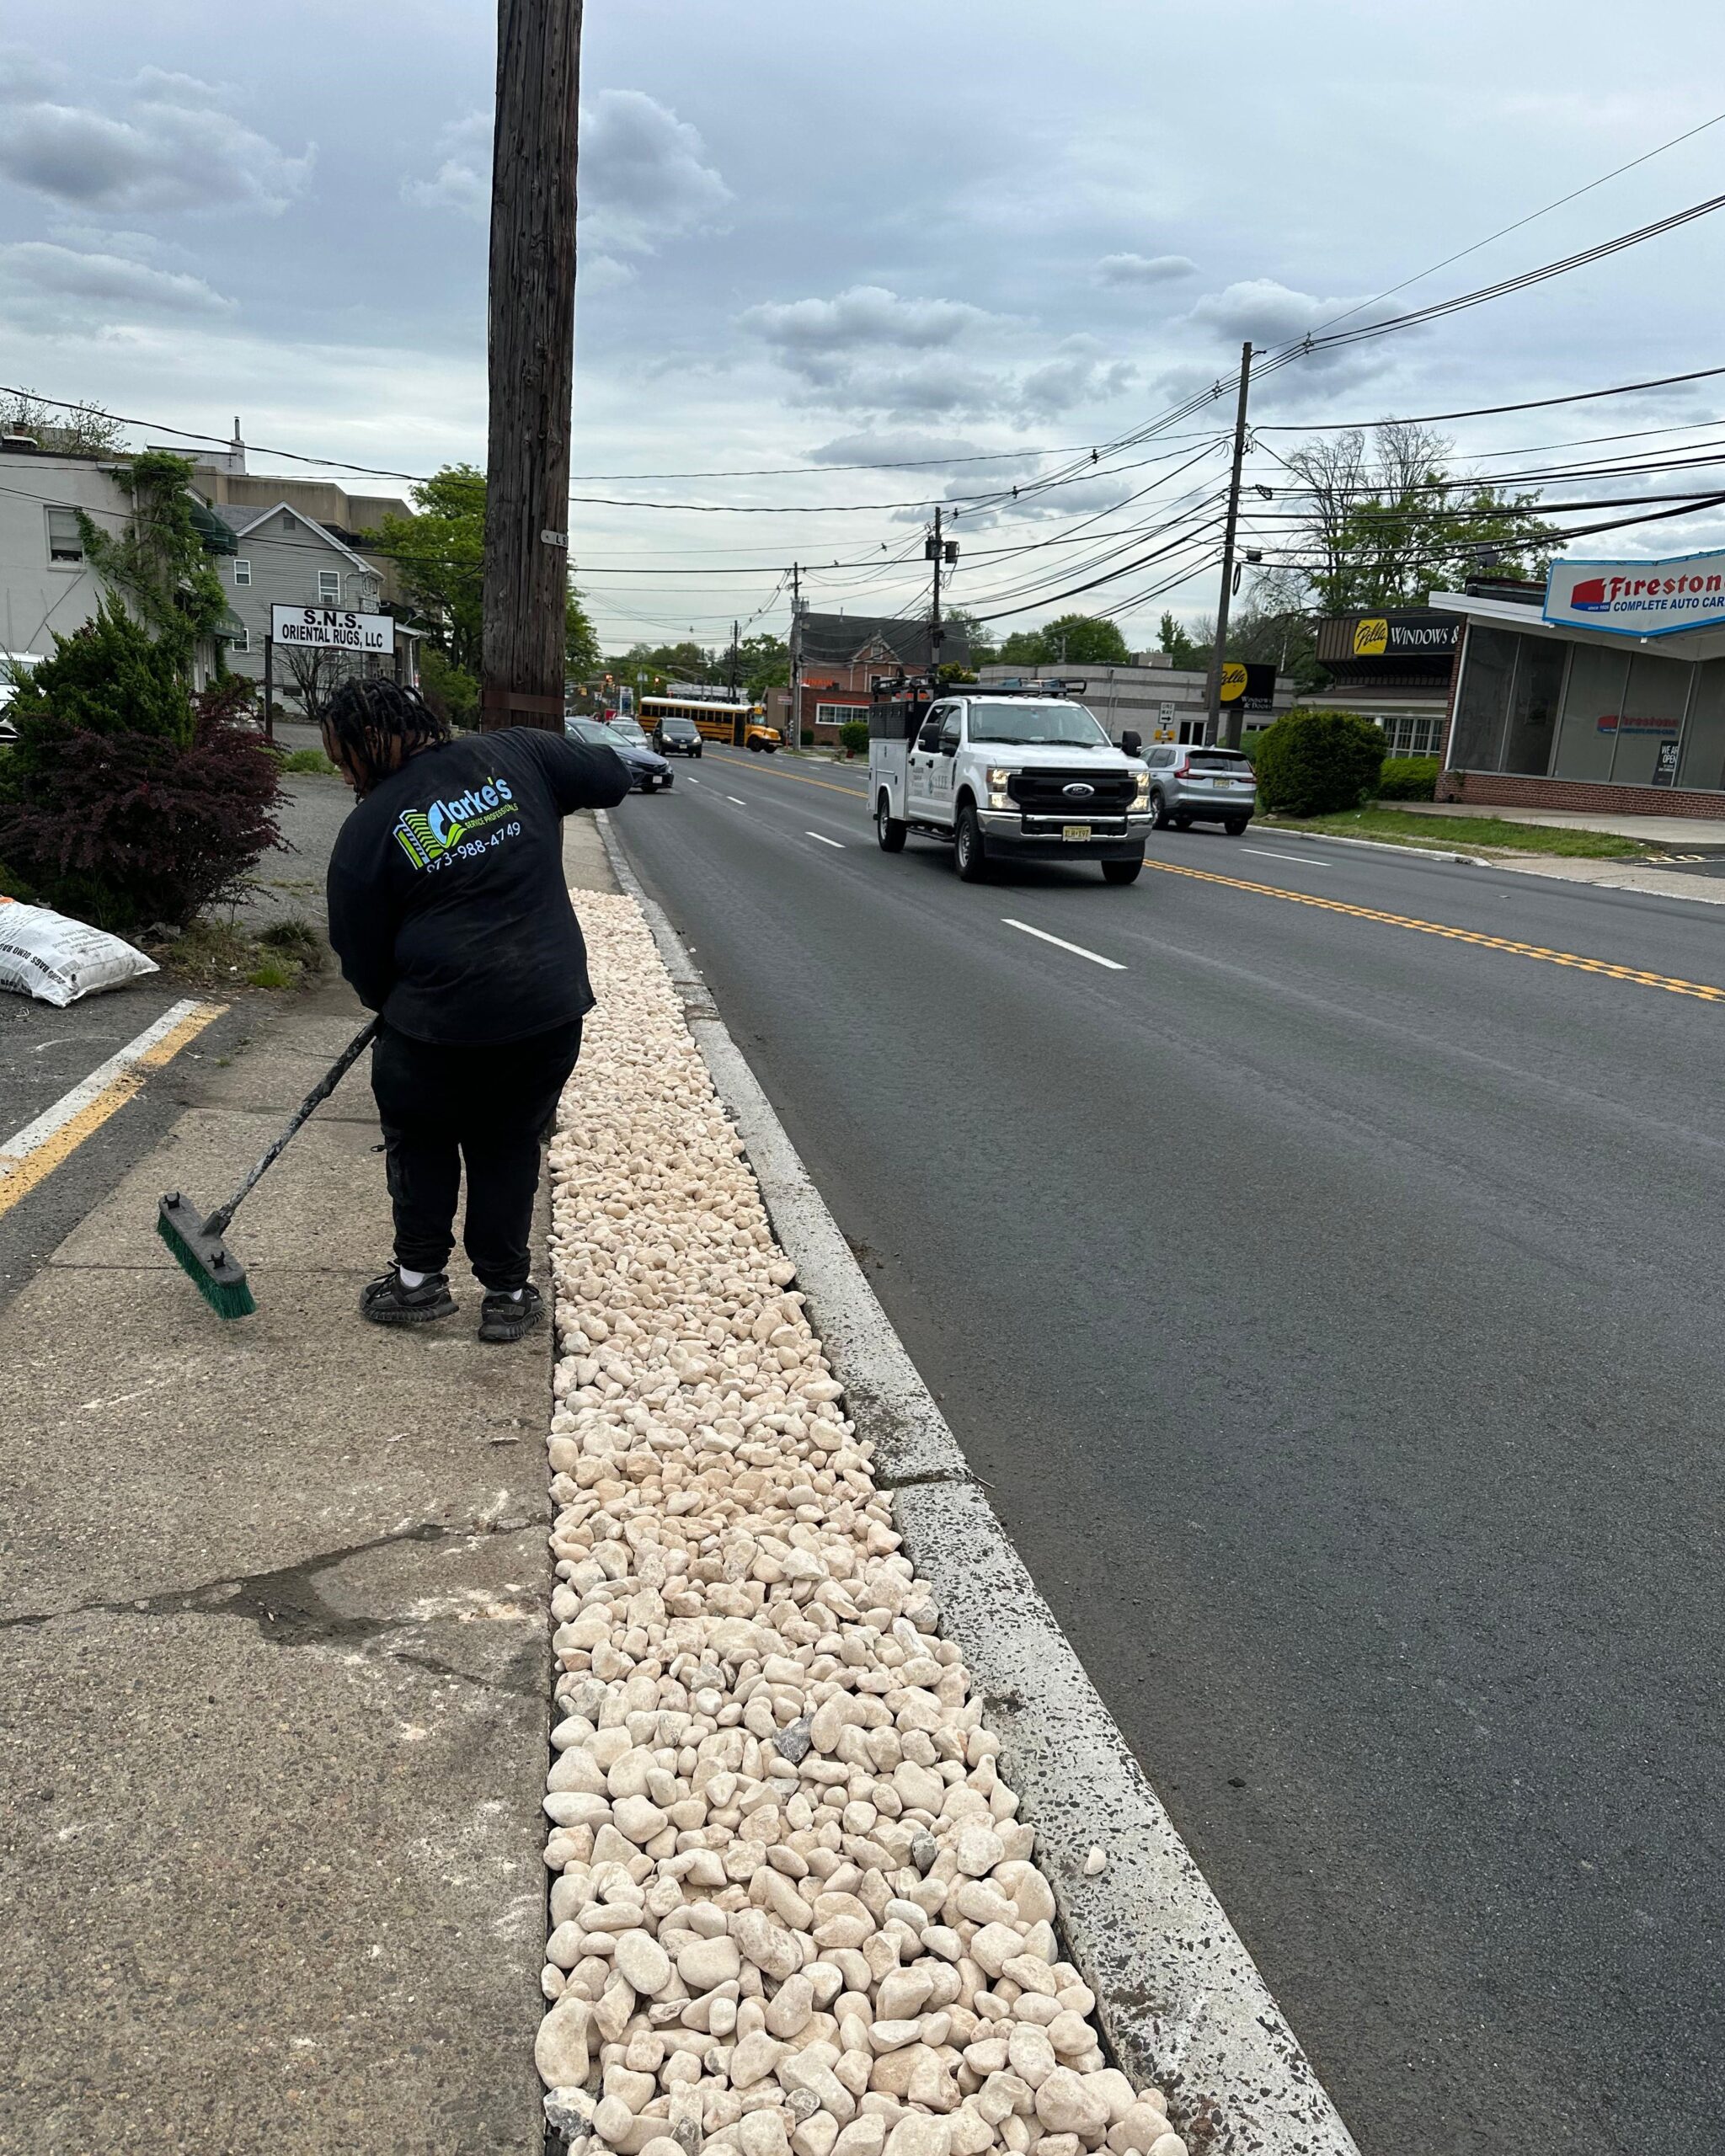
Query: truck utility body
[1023,773]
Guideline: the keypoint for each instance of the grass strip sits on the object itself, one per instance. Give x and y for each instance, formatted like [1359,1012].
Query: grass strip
[1465,833]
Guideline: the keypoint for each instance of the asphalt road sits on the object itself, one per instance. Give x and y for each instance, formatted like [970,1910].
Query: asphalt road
[1328,1297]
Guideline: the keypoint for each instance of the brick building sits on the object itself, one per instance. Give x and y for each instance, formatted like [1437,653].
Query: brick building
[838,654]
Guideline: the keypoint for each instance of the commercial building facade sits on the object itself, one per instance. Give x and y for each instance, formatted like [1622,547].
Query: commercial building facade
[1392,667]
[1157,703]
[1551,709]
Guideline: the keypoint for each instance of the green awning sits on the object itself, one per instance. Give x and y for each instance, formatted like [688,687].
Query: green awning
[218,537]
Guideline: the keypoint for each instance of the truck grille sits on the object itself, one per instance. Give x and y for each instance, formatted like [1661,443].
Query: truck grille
[1040,793]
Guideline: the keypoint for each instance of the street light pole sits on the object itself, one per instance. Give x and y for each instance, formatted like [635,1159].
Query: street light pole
[531,363]
[1219,654]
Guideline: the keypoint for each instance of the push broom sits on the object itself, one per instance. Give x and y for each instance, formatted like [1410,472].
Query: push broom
[199,1243]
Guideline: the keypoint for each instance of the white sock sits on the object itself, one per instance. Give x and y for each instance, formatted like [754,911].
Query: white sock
[411,1279]
[515,1294]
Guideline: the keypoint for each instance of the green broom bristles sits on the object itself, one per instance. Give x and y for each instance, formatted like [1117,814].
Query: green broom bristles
[212,1268]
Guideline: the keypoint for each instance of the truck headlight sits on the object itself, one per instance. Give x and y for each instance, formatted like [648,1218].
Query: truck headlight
[1140,800]
[999,779]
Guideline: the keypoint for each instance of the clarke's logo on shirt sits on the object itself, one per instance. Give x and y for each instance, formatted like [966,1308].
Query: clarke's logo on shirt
[467,824]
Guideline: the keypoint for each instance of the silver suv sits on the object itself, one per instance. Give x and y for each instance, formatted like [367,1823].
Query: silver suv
[1204,786]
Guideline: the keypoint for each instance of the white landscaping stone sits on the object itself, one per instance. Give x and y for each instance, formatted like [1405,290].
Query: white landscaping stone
[792,1912]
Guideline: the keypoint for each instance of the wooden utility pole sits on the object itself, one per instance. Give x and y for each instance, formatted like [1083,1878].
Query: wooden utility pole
[1219,654]
[793,730]
[936,628]
[531,347]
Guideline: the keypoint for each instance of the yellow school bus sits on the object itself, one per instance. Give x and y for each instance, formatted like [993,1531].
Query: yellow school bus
[739,725]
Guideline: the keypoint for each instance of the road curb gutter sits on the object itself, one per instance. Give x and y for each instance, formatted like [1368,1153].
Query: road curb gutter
[1381,845]
[1178,1997]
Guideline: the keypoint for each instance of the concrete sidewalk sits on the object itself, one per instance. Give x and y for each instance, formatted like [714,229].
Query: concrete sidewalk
[275,1671]
[1683,833]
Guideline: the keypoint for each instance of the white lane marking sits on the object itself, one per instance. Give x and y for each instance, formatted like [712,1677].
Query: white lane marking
[1078,950]
[1300,860]
[836,843]
[693,780]
[740,804]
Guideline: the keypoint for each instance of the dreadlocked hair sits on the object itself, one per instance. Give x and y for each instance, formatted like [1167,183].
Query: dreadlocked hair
[379,725]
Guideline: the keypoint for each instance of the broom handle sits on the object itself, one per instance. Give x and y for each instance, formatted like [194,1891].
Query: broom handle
[217,1225]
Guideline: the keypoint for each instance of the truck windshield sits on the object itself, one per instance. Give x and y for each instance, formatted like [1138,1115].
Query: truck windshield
[1028,725]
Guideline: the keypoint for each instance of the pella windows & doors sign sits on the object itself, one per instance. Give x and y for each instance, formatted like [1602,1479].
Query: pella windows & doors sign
[1638,598]
[333,626]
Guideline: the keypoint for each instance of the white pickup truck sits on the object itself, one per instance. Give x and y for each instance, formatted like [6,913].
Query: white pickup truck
[1024,774]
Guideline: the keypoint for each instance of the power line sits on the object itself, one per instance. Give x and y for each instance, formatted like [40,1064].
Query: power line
[1488,411]
[1574,194]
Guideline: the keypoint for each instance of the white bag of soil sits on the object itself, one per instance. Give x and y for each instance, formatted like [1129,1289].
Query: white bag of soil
[57,960]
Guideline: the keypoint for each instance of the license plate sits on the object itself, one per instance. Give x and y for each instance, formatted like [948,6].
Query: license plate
[1074,830]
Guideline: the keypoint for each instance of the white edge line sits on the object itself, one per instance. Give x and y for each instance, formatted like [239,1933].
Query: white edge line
[837,845]
[1180,1999]
[16,1149]
[1078,950]
[1263,853]
[736,802]
[1384,845]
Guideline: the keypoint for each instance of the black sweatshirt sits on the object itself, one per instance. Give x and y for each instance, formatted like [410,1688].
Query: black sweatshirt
[447,903]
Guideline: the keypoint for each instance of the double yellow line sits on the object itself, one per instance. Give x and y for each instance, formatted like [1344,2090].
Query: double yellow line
[31,1155]
[1702,990]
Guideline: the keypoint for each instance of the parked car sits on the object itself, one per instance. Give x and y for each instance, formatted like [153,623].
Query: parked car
[677,737]
[1201,785]
[648,769]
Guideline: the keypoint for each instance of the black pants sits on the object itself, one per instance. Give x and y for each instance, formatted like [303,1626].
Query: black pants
[439,1105]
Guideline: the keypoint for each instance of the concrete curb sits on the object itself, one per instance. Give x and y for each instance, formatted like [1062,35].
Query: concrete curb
[1179,1999]
[1380,846]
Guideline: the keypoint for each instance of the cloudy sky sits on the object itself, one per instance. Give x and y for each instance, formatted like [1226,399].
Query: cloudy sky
[823,235]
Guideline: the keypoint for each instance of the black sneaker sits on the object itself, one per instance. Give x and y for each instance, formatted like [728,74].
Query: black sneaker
[386,1301]
[502,1317]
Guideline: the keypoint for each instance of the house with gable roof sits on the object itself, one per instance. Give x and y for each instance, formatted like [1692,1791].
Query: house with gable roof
[841,652]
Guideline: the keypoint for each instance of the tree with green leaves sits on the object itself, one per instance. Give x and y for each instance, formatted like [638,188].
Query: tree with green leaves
[75,430]
[979,638]
[1069,640]
[1383,521]
[1190,654]
[157,564]
[765,663]
[440,557]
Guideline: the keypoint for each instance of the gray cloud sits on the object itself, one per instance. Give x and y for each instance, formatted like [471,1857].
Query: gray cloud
[1130,270]
[905,446]
[1267,313]
[871,352]
[109,281]
[644,178]
[1079,373]
[645,175]
[176,149]
[24,76]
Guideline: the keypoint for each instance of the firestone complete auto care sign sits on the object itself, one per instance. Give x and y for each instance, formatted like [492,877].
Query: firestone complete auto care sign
[1638,598]
[331,625]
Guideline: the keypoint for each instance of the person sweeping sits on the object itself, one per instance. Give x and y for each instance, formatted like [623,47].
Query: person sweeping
[451,916]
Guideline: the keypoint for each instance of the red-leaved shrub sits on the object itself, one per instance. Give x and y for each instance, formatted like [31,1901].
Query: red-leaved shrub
[134,830]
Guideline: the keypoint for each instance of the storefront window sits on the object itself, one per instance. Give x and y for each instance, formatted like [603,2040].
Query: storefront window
[1592,705]
[1704,737]
[1533,706]
[1653,714]
[1487,667]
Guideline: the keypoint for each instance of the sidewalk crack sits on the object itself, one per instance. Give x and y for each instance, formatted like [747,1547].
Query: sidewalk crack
[283,1602]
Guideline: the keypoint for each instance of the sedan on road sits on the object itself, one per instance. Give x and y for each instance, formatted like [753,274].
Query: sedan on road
[677,737]
[1201,785]
[648,769]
